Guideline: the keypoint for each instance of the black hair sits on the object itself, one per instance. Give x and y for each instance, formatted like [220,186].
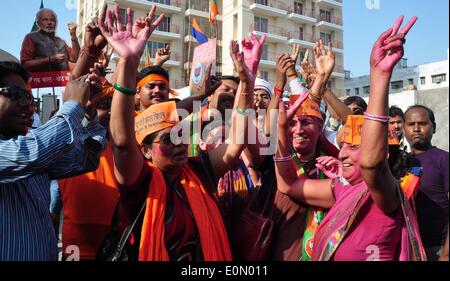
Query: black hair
[358,100]
[9,68]
[399,161]
[229,77]
[396,111]
[153,69]
[430,113]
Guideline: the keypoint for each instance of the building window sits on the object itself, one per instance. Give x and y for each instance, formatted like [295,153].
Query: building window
[357,91]
[164,25]
[397,85]
[436,79]
[366,90]
[123,15]
[410,81]
[301,55]
[422,81]
[265,52]
[298,8]
[348,92]
[264,75]
[326,37]
[262,2]
[300,33]
[165,2]
[153,47]
[261,24]
[325,15]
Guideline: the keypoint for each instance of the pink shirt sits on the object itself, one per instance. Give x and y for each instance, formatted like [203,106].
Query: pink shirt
[374,235]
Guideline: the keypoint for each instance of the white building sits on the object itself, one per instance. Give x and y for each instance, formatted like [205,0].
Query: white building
[425,84]
[285,22]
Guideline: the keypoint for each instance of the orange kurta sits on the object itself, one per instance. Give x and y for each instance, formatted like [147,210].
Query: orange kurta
[89,201]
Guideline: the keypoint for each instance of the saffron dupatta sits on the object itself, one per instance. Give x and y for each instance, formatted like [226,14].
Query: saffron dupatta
[213,236]
[332,232]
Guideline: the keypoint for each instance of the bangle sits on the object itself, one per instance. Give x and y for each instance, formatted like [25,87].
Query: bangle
[282,159]
[278,91]
[124,90]
[245,112]
[378,118]
[314,98]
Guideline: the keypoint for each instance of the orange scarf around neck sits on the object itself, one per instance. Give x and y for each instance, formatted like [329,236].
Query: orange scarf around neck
[213,236]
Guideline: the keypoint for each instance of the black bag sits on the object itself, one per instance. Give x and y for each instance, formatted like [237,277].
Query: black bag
[116,246]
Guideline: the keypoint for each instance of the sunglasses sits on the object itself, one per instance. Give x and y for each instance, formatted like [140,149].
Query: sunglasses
[22,96]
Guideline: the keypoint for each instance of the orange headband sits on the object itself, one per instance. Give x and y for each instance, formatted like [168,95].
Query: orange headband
[152,77]
[353,130]
[308,107]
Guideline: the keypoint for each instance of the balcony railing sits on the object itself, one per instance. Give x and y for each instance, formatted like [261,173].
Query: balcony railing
[301,36]
[270,3]
[330,19]
[175,3]
[173,56]
[272,29]
[303,12]
[168,28]
[269,56]
[336,44]
[200,5]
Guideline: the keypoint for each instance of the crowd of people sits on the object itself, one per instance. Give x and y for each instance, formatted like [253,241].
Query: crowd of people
[241,170]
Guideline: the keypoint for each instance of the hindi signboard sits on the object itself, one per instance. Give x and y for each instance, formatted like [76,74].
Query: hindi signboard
[49,79]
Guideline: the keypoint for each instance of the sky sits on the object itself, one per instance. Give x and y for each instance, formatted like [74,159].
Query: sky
[426,42]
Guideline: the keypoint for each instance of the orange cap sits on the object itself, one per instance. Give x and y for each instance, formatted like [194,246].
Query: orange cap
[353,131]
[308,107]
[155,118]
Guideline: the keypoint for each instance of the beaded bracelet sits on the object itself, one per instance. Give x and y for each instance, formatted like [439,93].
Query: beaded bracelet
[378,118]
[124,90]
[282,159]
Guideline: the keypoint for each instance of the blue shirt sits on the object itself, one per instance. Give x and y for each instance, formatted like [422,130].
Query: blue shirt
[61,148]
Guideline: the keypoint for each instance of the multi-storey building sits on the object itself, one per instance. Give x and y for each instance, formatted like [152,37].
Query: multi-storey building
[284,22]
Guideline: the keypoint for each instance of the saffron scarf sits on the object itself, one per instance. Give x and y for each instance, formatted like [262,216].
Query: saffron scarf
[314,216]
[213,236]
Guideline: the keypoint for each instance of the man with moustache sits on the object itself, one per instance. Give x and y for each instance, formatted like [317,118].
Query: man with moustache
[432,196]
[43,51]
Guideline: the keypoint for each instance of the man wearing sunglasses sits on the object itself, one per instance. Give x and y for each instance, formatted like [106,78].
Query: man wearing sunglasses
[65,146]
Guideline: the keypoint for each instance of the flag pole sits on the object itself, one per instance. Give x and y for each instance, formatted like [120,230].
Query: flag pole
[189,47]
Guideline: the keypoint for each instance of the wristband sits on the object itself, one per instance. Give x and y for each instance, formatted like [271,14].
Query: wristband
[282,159]
[124,90]
[278,91]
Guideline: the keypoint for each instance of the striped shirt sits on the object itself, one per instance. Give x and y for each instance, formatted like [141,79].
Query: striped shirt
[61,148]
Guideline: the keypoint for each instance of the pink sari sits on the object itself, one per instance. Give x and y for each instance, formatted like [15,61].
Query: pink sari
[333,231]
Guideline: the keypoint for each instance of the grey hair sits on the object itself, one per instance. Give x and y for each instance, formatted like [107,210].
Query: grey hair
[45,10]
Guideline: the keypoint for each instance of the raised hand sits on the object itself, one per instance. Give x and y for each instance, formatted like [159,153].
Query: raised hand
[121,38]
[330,166]
[388,49]
[285,112]
[246,75]
[94,41]
[324,60]
[284,62]
[307,70]
[162,55]
[252,50]
[295,52]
